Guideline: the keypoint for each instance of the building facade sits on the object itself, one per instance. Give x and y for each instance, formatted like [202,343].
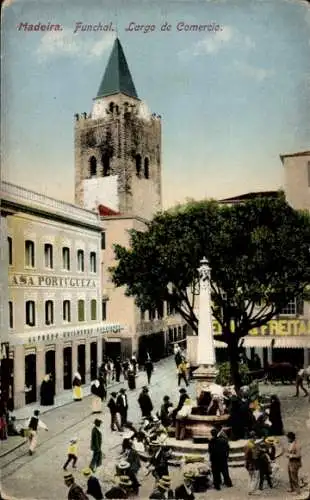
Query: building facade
[118,172]
[297,179]
[54,305]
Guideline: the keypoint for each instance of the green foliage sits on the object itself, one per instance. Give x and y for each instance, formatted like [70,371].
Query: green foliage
[224,374]
[258,252]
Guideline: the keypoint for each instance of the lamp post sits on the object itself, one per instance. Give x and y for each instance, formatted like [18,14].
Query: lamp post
[206,372]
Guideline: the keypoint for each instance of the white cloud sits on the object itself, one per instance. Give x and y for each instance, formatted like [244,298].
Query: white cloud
[259,74]
[65,43]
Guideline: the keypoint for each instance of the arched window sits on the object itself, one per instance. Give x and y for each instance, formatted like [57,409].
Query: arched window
[138,165]
[146,168]
[93,262]
[80,260]
[66,311]
[93,309]
[92,166]
[29,253]
[30,313]
[106,164]
[111,107]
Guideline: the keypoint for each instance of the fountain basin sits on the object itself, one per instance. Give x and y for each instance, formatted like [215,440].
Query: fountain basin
[198,427]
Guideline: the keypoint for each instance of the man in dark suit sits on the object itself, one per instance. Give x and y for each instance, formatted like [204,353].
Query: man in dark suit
[122,406]
[132,457]
[159,460]
[162,491]
[112,405]
[95,446]
[145,403]
[219,453]
[185,491]
[121,489]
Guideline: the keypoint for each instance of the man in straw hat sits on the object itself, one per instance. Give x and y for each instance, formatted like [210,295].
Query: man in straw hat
[93,485]
[120,490]
[95,446]
[185,491]
[75,491]
[163,489]
[159,460]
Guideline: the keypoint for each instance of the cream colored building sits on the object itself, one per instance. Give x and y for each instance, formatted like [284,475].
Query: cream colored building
[55,314]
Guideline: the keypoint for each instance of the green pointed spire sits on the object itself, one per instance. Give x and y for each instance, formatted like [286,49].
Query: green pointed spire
[117,78]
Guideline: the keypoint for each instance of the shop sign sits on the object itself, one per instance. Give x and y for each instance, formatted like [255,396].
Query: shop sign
[26,280]
[280,327]
[86,332]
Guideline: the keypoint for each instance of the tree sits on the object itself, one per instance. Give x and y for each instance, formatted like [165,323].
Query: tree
[258,252]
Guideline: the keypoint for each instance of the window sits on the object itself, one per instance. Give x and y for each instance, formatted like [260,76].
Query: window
[30,313]
[48,255]
[80,260]
[93,309]
[66,310]
[92,166]
[104,310]
[93,262]
[10,251]
[142,315]
[11,319]
[290,308]
[106,164]
[66,258]
[111,107]
[138,165]
[152,314]
[81,310]
[49,312]
[146,168]
[160,310]
[308,168]
[103,242]
[29,253]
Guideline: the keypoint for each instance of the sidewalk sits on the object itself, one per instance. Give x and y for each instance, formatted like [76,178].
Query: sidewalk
[63,399]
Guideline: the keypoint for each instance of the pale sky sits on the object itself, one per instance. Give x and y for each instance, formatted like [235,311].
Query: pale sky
[231,101]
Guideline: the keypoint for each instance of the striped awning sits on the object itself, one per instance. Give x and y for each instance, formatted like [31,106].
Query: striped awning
[287,342]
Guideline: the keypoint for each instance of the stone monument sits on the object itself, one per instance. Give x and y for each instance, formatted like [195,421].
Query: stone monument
[206,373]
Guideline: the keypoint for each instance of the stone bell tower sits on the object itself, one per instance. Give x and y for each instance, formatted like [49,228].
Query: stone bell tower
[118,147]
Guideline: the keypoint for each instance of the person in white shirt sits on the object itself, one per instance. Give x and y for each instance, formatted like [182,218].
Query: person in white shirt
[34,423]
[302,375]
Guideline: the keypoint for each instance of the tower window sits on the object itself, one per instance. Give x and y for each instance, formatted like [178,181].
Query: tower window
[81,310]
[106,165]
[10,245]
[66,310]
[80,260]
[11,316]
[48,255]
[146,168]
[49,312]
[93,309]
[29,253]
[111,107]
[93,262]
[92,166]
[138,165]
[30,313]
[66,258]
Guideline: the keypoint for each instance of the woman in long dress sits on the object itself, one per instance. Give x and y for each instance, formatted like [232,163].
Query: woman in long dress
[96,397]
[77,387]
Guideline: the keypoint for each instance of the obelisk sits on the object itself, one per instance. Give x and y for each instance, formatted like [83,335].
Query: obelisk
[206,372]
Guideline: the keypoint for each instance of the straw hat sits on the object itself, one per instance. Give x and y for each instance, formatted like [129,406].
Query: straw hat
[155,443]
[166,480]
[124,481]
[188,475]
[271,440]
[68,477]
[123,464]
[87,471]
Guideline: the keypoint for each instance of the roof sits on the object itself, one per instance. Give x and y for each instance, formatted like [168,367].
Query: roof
[117,78]
[292,155]
[103,211]
[251,196]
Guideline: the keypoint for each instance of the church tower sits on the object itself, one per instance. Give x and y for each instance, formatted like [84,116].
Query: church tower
[118,147]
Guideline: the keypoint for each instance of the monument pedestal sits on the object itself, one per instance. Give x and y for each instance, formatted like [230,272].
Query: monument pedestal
[204,376]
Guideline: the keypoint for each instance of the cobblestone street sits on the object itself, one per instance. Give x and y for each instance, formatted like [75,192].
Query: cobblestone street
[41,477]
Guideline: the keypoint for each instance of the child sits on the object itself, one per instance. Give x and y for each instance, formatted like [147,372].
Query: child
[72,454]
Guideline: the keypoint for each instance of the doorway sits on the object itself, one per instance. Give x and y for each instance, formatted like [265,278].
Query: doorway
[30,378]
[81,361]
[93,360]
[50,366]
[67,358]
